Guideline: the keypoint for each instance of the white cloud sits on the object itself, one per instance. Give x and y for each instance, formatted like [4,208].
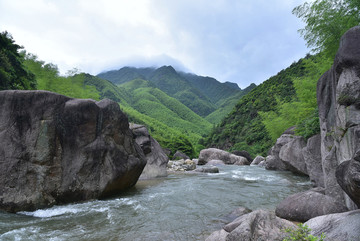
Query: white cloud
[241,41]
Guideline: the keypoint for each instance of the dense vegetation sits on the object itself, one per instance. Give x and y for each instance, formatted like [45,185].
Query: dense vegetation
[243,128]
[13,75]
[203,95]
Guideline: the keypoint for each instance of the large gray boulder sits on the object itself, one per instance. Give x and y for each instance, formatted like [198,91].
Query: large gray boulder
[348,176]
[257,160]
[292,155]
[312,157]
[306,205]
[209,154]
[56,150]
[339,226]
[156,158]
[338,95]
[259,225]
[273,161]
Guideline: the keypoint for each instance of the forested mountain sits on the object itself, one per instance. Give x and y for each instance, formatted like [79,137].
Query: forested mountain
[205,96]
[243,129]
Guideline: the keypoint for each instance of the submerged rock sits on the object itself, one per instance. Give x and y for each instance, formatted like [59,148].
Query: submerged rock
[207,169]
[156,158]
[56,150]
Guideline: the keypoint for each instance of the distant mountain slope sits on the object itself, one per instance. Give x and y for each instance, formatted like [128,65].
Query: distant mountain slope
[126,74]
[226,105]
[210,87]
[202,95]
[242,129]
[155,103]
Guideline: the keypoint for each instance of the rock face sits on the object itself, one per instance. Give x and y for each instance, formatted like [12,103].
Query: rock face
[338,95]
[306,205]
[273,161]
[339,226]
[156,159]
[348,176]
[56,150]
[209,154]
[258,225]
[312,157]
[291,154]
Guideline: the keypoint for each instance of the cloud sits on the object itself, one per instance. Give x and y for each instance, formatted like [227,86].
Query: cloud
[239,41]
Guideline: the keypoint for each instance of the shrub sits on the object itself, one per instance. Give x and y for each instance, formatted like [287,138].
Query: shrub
[302,233]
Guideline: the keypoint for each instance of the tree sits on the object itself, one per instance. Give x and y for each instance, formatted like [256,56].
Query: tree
[326,21]
[12,73]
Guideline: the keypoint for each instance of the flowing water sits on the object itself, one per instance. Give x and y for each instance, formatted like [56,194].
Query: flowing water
[179,207]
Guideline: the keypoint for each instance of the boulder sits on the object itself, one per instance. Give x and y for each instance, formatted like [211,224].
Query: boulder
[348,176]
[57,150]
[209,154]
[338,96]
[207,169]
[243,154]
[291,155]
[156,158]
[340,226]
[219,235]
[312,157]
[309,204]
[257,160]
[273,163]
[236,213]
[258,225]
[179,155]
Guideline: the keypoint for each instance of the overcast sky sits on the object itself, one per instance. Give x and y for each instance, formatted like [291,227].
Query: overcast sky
[242,41]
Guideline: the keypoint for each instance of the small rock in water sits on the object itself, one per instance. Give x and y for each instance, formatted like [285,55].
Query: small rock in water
[207,169]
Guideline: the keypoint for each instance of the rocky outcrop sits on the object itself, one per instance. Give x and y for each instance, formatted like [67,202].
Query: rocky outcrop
[292,155]
[56,150]
[338,95]
[209,154]
[181,165]
[348,176]
[309,204]
[156,159]
[312,157]
[339,226]
[257,160]
[257,225]
[273,161]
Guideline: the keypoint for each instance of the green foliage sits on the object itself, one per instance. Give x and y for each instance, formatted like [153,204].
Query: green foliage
[13,75]
[326,21]
[302,233]
[301,110]
[243,128]
[48,78]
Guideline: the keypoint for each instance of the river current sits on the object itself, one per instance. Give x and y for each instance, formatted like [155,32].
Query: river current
[178,207]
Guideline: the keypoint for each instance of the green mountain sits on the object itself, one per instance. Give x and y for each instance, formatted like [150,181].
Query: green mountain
[225,106]
[242,128]
[205,96]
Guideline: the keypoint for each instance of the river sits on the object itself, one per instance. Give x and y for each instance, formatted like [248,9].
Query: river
[178,207]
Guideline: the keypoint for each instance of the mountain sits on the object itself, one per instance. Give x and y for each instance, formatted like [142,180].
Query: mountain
[211,88]
[242,128]
[203,95]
